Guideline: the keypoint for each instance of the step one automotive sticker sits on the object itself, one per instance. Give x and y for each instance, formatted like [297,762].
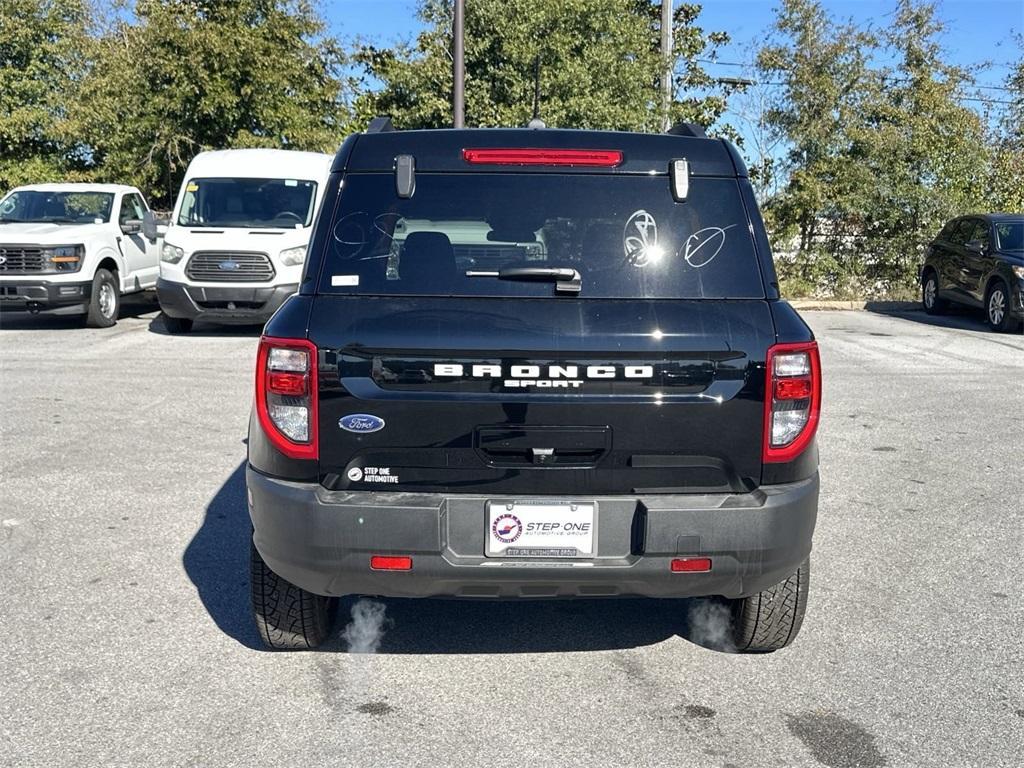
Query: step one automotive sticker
[372,475]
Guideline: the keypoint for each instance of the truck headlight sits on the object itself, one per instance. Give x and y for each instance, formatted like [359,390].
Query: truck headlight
[292,256]
[63,258]
[172,254]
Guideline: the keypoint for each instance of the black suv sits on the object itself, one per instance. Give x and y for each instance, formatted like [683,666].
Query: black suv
[978,261]
[535,364]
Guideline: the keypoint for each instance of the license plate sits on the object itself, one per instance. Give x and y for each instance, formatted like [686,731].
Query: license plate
[540,529]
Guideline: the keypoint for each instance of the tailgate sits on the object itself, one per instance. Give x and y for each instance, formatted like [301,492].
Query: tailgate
[487,395]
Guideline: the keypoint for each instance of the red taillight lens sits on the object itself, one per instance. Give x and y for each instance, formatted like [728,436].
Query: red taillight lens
[580,157]
[387,563]
[286,395]
[792,400]
[691,565]
[280,383]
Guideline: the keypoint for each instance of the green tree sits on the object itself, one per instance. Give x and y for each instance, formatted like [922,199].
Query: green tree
[594,63]
[41,55]
[187,75]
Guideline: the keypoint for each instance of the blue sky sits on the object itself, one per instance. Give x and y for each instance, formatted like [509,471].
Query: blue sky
[978,30]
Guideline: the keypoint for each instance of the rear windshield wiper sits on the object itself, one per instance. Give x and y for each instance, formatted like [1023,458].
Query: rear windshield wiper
[564,278]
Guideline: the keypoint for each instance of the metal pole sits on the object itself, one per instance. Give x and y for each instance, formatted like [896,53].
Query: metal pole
[458,66]
[666,52]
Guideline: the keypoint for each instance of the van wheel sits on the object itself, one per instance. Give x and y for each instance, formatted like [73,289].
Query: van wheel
[997,308]
[933,304]
[771,619]
[176,325]
[287,617]
[105,301]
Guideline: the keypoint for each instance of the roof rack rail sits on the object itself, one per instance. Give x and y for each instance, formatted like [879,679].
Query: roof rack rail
[380,125]
[687,129]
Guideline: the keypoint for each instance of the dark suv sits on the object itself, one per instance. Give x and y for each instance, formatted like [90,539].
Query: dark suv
[535,364]
[978,261]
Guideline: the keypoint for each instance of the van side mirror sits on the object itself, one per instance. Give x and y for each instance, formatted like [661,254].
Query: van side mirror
[975,246]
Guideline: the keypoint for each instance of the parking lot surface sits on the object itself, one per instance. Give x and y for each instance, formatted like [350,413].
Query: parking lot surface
[127,640]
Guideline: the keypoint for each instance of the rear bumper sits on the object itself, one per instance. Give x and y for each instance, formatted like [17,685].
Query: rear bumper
[45,296]
[230,304]
[322,541]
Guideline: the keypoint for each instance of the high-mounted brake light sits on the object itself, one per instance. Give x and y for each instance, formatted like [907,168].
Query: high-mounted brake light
[286,395]
[579,157]
[792,400]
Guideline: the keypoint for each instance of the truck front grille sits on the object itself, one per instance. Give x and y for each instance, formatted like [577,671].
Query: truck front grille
[20,258]
[229,267]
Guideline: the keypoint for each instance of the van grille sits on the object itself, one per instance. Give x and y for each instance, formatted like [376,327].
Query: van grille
[229,267]
[18,258]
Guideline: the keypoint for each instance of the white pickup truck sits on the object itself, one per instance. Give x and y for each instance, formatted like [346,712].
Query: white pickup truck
[74,249]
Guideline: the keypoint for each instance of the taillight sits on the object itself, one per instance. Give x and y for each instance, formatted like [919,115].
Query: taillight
[286,395]
[519,156]
[792,400]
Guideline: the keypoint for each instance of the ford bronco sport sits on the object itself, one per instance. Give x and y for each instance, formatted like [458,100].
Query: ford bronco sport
[535,364]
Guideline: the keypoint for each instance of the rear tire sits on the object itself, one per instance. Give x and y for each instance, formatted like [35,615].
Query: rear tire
[771,619]
[997,308]
[176,325]
[930,300]
[287,617]
[105,300]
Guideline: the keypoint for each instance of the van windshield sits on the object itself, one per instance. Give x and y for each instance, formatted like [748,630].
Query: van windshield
[248,203]
[625,235]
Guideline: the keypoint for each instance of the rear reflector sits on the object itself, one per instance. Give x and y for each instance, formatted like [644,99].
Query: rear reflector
[580,157]
[387,563]
[691,565]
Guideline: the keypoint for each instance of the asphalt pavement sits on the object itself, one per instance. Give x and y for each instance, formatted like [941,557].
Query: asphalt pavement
[126,637]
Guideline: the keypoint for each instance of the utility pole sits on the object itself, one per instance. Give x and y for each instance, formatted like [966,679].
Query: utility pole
[666,52]
[458,66]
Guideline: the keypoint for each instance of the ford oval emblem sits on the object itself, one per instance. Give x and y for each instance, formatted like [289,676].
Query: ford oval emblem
[229,265]
[363,423]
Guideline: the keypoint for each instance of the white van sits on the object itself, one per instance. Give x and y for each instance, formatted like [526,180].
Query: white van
[236,242]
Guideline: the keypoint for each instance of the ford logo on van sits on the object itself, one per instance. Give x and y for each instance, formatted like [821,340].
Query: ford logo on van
[229,265]
[361,422]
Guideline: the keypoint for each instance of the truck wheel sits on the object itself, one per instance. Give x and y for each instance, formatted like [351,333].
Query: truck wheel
[933,305]
[176,325]
[771,619]
[105,302]
[287,617]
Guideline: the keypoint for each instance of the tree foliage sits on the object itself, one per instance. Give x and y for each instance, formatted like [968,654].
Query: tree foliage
[188,75]
[592,63]
[41,57]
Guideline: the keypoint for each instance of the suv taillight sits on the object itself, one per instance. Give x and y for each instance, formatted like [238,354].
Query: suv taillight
[792,400]
[286,395]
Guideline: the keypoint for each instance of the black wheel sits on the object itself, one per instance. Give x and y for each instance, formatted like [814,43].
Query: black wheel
[933,304]
[176,325]
[997,308]
[287,617]
[105,302]
[771,619]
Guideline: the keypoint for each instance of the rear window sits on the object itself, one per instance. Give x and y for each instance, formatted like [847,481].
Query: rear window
[625,235]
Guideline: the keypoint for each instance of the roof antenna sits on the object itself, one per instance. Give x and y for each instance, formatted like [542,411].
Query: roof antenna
[535,121]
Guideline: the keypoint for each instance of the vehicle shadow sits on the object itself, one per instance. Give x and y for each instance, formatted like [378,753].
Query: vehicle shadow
[956,316]
[217,562]
[132,306]
[202,329]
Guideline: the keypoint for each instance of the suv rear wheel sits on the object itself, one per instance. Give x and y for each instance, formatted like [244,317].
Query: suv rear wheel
[771,619]
[105,301]
[933,305]
[287,617]
[997,308]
